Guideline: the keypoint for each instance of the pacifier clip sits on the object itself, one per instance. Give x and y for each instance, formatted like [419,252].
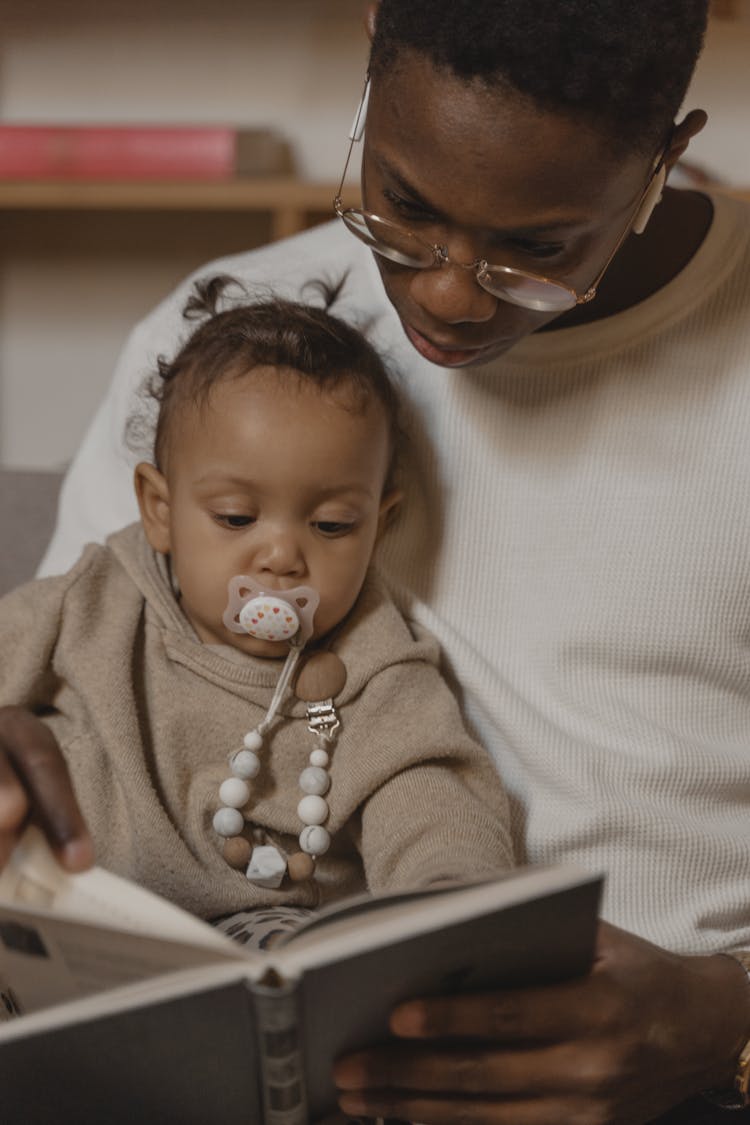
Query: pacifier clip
[281,616]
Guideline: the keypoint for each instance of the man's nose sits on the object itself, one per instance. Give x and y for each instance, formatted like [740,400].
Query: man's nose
[451,294]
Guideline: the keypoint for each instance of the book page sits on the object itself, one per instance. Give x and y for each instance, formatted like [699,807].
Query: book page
[46,960]
[65,936]
[360,924]
[33,879]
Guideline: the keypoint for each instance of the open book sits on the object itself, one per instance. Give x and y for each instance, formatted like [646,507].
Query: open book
[121,1008]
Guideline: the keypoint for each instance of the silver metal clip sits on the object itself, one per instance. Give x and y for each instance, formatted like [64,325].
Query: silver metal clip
[322,719]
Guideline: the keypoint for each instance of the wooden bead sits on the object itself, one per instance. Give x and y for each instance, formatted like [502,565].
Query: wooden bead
[300,867]
[323,676]
[237,851]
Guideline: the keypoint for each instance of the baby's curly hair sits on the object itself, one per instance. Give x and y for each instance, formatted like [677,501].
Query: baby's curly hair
[621,65]
[235,335]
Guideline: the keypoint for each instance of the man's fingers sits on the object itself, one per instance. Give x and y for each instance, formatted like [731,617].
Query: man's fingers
[14,803]
[33,768]
[506,1016]
[458,1111]
[14,808]
[478,1072]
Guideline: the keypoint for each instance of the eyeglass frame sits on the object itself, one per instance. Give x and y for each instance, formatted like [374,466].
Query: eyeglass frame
[479,265]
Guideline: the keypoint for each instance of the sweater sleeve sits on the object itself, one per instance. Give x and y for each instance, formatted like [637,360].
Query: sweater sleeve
[30,623]
[435,807]
[430,823]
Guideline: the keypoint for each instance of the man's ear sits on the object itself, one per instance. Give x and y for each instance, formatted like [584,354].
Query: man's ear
[153,500]
[371,14]
[388,506]
[683,133]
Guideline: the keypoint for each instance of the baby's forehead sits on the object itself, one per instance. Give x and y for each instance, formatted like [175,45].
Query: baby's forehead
[315,391]
[280,396]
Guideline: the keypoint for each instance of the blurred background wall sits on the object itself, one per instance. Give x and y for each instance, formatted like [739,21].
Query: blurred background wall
[72,282]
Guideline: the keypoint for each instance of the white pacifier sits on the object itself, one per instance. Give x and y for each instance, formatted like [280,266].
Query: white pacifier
[270,615]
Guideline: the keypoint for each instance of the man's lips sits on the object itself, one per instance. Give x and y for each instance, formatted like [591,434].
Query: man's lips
[444,356]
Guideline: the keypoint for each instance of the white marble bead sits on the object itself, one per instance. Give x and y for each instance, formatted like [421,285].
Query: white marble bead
[245,764]
[228,822]
[312,809]
[252,740]
[314,840]
[313,780]
[267,866]
[234,792]
[319,758]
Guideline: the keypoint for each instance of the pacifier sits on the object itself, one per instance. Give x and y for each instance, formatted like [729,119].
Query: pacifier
[270,615]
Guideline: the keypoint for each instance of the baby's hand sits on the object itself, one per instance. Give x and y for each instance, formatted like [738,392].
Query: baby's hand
[35,784]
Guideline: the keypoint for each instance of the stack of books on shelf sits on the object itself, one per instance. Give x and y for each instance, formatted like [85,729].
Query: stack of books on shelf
[141,152]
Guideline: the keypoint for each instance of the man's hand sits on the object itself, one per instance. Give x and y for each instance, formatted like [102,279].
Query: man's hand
[641,1033]
[35,784]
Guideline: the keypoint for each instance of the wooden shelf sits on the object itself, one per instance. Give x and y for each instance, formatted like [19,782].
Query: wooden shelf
[290,202]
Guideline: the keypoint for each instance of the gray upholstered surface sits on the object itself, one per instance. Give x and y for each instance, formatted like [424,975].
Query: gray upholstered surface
[28,503]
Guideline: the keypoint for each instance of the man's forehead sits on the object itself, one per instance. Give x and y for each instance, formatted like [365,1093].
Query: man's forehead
[455,143]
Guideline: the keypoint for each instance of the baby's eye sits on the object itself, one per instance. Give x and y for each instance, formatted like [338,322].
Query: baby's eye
[333,529]
[233,521]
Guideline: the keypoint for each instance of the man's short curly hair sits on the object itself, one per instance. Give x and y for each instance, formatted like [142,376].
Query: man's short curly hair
[623,65]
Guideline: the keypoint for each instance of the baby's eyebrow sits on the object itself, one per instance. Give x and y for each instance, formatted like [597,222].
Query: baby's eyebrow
[216,477]
[345,490]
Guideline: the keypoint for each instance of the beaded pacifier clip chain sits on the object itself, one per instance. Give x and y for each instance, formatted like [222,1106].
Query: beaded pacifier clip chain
[282,616]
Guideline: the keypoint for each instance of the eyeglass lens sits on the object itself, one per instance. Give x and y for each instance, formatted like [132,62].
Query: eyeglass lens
[401,246]
[526,291]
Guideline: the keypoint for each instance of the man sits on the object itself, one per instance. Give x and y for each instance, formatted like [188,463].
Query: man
[574,529]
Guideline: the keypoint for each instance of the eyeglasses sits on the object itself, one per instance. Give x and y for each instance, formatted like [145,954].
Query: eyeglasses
[527,290]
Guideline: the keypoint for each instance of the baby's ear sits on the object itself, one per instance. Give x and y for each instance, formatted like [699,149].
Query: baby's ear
[388,506]
[153,500]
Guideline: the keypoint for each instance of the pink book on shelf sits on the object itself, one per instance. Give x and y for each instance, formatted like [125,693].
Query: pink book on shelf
[139,152]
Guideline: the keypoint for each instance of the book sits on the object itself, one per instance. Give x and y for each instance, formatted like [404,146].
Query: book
[140,152]
[121,1007]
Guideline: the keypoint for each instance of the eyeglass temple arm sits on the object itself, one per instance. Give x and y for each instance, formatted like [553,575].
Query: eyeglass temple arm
[355,133]
[591,291]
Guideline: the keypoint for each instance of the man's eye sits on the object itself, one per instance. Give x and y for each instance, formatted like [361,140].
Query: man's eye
[406,208]
[233,521]
[536,249]
[333,528]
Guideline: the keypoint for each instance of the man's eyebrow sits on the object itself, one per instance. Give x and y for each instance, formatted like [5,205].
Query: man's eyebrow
[559,226]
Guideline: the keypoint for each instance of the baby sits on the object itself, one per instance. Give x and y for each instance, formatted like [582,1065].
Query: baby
[248,720]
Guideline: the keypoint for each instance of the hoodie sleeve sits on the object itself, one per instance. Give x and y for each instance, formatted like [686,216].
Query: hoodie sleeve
[30,623]
[434,807]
